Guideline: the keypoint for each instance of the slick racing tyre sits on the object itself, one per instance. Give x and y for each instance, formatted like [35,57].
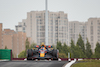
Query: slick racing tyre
[29,54]
[55,54]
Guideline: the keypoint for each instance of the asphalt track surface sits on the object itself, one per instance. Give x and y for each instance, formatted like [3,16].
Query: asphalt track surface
[32,63]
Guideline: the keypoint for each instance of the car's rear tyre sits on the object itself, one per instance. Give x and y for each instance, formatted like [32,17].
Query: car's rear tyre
[55,54]
[29,59]
[29,54]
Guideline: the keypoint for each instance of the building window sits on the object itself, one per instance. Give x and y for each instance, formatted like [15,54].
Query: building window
[56,20]
[23,28]
[30,16]
[16,28]
[98,39]
[98,20]
[91,22]
[98,26]
[65,17]
[24,24]
[91,33]
[51,20]
[98,33]
[20,26]
[98,23]
[98,30]
[91,39]
[91,27]
[51,23]
[92,45]
[98,36]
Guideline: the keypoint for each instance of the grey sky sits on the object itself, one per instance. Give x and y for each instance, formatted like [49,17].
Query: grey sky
[13,11]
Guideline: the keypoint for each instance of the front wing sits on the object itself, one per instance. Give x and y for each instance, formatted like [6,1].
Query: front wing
[47,56]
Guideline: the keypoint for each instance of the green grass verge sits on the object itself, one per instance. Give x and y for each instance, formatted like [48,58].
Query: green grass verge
[87,63]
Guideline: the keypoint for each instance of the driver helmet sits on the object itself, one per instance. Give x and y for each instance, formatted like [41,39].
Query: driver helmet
[42,45]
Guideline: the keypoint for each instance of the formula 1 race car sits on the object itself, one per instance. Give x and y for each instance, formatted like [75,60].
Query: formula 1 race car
[42,52]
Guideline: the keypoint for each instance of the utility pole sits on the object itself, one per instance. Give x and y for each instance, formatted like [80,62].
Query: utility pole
[46,22]
[69,57]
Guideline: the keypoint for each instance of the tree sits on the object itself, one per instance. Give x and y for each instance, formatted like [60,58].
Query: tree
[80,43]
[62,55]
[62,49]
[76,52]
[22,54]
[88,50]
[65,49]
[12,55]
[59,47]
[97,50]
[72,48]
[54,46]
[27,44]
[32,45]
[6,47]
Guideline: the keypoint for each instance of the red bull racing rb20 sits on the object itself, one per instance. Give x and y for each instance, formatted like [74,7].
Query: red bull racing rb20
[42,52]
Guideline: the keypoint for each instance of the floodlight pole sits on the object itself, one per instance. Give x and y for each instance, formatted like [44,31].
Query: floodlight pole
[46,22]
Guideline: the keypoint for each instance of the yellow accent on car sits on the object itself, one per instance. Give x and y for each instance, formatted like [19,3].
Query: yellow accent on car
[41,54]
[51,48]
[42,43]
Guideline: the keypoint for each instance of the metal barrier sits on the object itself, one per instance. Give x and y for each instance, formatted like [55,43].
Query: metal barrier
[63,59]
[18,58]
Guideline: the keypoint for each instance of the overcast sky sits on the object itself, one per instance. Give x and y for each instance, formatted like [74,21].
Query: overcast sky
[13,11]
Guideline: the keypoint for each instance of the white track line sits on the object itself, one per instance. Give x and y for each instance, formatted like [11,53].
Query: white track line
[70,63]
[4,60]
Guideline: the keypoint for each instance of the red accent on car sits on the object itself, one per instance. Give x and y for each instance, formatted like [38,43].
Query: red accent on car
[45,51]
[37,46]
[32,53]
[49,46]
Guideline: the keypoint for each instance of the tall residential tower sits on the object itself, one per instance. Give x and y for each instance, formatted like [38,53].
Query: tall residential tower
[93,31]
[76,28]
[57,27]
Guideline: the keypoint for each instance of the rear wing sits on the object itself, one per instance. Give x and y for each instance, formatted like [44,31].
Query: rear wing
[38,46]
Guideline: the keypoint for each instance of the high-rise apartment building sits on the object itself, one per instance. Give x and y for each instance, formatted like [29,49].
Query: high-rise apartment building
[0,35]
[93,31]
[76,28]
[21,27]
[89,29]
[57,27]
